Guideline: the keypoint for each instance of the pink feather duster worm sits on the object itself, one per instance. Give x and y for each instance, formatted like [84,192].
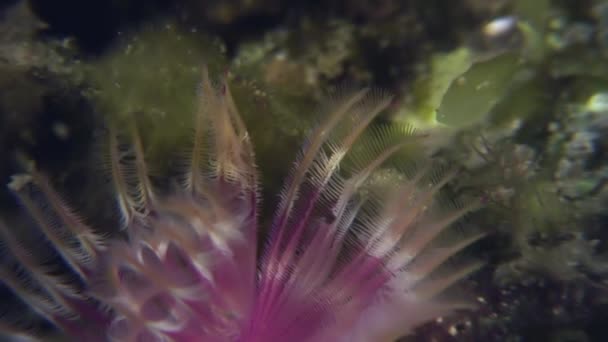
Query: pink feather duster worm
[349,256]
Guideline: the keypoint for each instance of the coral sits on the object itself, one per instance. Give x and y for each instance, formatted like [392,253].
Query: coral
[41,106]
[17,28]
[577,140]
[353,253]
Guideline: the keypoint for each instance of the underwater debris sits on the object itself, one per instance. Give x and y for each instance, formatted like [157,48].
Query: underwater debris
[350,256]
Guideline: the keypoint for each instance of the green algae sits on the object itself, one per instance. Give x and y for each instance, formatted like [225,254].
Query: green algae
[462,89]
[430,90]
[151,77]
[477,91]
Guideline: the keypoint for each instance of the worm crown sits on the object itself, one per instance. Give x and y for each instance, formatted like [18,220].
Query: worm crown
[351,253]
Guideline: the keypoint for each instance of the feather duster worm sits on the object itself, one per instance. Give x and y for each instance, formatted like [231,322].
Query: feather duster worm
[349,255]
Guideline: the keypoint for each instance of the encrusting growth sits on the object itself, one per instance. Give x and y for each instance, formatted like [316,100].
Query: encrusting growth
[350,255]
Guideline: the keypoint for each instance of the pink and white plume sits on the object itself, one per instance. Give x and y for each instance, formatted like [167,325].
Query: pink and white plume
[350,254]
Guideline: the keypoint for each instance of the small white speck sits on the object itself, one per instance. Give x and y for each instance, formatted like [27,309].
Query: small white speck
[598,103]
[280,56]
[500,26]
[453,331]
[61,130]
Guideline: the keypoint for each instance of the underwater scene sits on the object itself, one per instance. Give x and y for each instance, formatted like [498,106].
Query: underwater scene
[303,170]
